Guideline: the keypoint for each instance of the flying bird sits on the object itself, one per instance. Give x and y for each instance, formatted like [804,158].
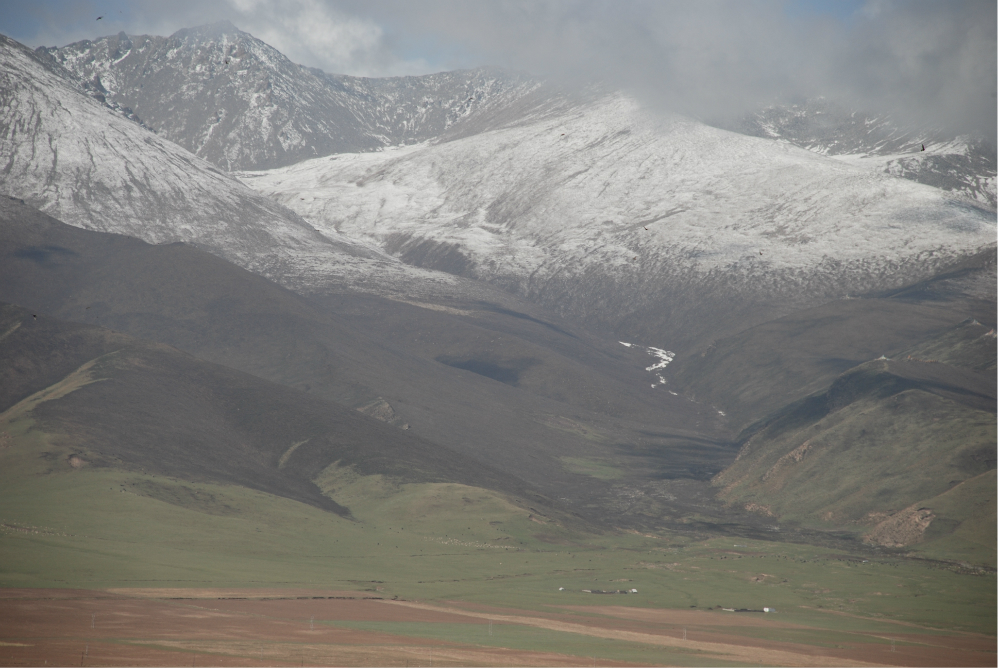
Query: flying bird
[99,18]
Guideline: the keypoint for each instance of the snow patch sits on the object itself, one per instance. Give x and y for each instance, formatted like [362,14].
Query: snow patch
[664,358]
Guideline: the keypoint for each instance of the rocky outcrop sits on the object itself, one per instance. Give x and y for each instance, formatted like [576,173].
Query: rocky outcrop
[903,528]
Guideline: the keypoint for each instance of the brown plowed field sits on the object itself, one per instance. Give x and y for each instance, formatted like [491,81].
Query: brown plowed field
[232,627]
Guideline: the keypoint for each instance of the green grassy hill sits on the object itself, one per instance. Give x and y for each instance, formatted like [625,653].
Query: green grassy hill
[899,451]
[100,527]
[125,463]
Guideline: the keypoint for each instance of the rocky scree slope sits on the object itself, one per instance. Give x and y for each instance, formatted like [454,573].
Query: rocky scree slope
[239,103]
[659,228]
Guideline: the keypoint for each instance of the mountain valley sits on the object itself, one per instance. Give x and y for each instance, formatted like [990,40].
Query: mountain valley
[288,316]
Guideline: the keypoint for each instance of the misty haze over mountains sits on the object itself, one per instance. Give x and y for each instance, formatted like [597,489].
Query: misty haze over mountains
[433,277]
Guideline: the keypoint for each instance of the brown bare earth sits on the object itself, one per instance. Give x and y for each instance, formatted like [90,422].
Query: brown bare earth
[902,528]
[223,593]
[102,628]
[228,627]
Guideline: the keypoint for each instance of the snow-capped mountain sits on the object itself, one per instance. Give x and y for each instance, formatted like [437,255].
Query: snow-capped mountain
[239,103]
[80,161]
[661,229]
[638,222]
[962,164]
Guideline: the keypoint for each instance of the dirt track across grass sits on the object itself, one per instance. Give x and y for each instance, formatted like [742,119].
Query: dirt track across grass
[714,633]
[230,627]
[103,628]
[231,593]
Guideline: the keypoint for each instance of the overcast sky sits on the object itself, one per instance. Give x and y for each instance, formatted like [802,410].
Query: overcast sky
[925,61]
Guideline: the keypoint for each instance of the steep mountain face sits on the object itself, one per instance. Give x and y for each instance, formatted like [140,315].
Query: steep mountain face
[963,165]
[77,159]
[231,99]
[663,229]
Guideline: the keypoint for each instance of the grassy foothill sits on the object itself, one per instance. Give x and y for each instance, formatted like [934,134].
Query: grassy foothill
[95,528]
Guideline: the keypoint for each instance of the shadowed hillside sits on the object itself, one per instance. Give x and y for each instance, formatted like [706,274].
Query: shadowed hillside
[109,400]
[760,370]
[418,365]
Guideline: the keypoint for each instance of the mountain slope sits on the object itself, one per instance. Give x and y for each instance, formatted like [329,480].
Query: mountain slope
[877,448]
[75,158]
[508,388]
[147,407]
[231,99]
[645,226]
[963,165]
[763,368]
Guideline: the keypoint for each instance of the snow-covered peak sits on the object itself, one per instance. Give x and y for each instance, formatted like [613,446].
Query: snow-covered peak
[239,103]
[74,158]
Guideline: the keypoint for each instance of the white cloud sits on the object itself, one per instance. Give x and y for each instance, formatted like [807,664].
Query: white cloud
[923,60]
[317,34]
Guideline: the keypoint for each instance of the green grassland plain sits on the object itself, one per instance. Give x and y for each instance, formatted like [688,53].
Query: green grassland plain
[98,528]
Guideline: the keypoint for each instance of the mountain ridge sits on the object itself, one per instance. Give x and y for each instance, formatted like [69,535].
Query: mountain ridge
[121,410]
[239,103]
[637,224]
[75,157]
[959,164]
[467,285]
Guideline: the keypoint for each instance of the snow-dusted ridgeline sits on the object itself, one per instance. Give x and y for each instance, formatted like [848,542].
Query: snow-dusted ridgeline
[611,213]
[74,158]
[962,165]
[239,103]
